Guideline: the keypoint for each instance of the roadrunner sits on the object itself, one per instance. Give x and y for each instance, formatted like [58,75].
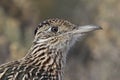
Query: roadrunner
[47,56]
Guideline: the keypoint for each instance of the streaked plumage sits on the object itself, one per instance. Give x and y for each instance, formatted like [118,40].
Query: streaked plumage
[47,56]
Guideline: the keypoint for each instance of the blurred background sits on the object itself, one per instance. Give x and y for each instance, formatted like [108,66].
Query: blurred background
[96,57]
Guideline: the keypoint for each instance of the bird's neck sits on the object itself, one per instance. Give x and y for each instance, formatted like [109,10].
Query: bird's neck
[48,58]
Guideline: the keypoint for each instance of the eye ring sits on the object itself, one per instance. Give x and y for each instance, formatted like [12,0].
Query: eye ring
[54,29]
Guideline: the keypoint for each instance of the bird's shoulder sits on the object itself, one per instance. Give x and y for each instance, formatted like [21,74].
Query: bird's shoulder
[8,69]
[9,64]
[19,70]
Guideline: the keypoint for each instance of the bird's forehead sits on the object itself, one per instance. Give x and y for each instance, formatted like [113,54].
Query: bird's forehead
[56,23]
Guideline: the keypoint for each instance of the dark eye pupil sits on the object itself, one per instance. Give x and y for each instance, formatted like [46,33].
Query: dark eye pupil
[54,29]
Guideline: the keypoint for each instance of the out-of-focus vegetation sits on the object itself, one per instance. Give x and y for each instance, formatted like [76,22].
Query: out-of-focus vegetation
[95,58]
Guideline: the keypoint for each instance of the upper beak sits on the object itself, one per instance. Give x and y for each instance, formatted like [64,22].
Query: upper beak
[86,29]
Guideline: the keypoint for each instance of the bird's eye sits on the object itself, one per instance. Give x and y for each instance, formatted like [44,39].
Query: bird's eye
[54,29]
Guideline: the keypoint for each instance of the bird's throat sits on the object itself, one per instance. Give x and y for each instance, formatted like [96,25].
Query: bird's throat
[48,59]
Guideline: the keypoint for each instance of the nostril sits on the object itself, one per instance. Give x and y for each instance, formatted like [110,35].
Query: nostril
[75,27]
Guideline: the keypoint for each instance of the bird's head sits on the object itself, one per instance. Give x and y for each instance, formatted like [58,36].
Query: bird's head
[59,33]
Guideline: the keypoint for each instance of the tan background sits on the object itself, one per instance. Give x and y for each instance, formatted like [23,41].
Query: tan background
[97,57]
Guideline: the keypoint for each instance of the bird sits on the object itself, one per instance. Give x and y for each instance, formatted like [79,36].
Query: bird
[46,58]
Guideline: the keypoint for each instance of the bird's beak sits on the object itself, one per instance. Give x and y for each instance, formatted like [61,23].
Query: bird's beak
[86,29]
